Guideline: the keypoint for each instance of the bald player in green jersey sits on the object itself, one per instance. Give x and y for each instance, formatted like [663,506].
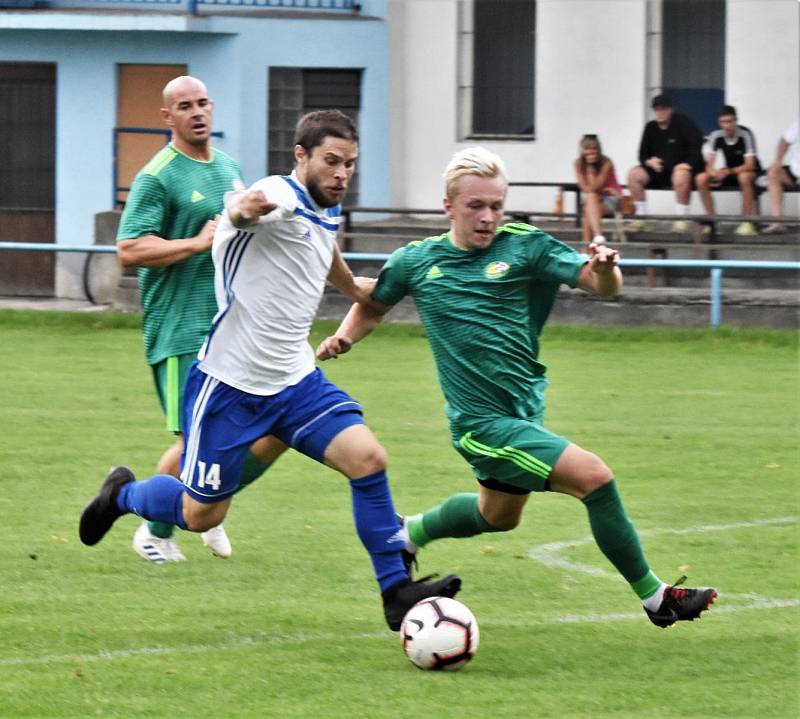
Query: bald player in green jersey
[166,231]
[483,292]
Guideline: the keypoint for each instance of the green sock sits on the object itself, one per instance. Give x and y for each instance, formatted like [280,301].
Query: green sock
[457,516]
[161,529]
[617,539]
[253,468]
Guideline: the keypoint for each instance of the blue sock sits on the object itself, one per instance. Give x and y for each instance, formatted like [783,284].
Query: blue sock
[159,498]
[378,528]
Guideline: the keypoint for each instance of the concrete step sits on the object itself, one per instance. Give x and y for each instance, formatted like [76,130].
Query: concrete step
[638,306]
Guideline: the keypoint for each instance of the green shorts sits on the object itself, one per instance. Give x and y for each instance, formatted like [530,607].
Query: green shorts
[508,451]
[170,377]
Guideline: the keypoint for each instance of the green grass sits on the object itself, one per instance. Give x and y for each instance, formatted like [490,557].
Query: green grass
[700,428]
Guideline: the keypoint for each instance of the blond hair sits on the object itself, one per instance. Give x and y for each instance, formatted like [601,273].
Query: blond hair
[472,161]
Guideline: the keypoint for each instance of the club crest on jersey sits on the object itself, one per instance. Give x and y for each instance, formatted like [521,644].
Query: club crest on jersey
[496,270]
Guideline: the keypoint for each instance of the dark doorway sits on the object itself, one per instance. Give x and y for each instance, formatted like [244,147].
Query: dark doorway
[27,176]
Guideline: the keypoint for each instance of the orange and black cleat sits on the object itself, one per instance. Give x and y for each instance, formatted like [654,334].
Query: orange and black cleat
[681,604]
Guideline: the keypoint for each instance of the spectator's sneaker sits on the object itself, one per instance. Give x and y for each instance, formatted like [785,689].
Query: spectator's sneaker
[680,604]
[400,597]
[680,227]
[101,513]
[217,541]
[410,550]
[707,229]
[637,226]
[776,228]
[746,229]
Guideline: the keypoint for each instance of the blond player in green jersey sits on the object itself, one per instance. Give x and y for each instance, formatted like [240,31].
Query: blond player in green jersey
[166,231]
[483,291]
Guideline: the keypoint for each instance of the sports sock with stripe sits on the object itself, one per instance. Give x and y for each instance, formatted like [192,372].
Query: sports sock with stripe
[616,537]
[457,516]
[377,527]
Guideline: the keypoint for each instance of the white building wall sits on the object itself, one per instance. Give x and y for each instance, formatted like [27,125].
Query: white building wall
[591,76]
[762,64]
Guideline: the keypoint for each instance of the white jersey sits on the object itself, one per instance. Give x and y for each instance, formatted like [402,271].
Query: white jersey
[792,156]
[269,279]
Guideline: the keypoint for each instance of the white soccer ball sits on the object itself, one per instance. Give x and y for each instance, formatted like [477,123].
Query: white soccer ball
[439,633]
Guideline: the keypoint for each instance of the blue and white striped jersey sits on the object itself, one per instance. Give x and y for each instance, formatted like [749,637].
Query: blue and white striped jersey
[269,279]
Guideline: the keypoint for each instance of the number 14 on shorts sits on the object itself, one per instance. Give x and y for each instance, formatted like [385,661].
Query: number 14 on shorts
[207,477]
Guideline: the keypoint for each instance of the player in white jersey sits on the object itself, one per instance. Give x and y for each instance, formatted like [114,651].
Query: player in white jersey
[273,251]
[258,342]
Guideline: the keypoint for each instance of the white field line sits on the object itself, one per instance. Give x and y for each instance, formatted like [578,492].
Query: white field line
[752,602]
[546,554]
[550,554]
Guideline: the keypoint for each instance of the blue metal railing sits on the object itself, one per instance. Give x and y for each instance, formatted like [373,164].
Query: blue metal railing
[192,6]
[116,132]
[716,267]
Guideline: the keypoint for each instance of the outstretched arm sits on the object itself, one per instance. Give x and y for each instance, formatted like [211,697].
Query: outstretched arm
[357,324]
[601,276]
[154,251]
[341,277]
[249,207]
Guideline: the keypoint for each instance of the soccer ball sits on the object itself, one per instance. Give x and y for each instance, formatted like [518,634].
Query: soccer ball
[439,633]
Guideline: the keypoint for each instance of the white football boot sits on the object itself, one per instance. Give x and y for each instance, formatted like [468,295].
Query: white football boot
[155,549]
[217,541]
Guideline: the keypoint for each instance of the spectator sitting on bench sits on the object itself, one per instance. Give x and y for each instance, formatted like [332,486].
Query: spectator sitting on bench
[595,176]
[669,156]
[735,146]
[782,175]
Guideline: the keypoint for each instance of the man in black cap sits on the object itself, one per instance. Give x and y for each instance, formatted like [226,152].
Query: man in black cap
[669,156]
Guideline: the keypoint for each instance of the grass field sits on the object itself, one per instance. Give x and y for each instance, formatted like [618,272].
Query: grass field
[701,430]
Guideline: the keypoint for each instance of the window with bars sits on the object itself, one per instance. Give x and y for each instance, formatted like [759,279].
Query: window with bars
[497,48]
[294,91]
[27,135]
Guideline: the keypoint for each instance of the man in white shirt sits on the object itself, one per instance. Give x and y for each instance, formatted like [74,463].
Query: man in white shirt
[274,248]
[783,173]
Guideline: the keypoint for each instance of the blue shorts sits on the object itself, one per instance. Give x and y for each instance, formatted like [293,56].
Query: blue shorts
[223,422]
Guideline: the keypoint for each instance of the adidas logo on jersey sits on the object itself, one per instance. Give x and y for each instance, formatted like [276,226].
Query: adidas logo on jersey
[197,196]
[434,273]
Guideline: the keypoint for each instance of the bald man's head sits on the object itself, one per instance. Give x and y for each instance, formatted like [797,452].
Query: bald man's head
[189,112]
[181,84]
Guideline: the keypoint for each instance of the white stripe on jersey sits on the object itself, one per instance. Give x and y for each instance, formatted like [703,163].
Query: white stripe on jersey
[269,280]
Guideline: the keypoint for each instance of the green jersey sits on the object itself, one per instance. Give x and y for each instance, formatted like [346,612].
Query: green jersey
[483,312]
[172,197]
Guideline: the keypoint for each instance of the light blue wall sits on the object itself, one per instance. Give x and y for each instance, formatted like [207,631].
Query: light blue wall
[232,56]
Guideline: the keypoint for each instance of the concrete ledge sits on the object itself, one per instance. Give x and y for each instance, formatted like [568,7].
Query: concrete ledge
[656,307]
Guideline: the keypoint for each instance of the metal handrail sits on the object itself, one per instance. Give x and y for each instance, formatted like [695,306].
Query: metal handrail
[192,6]
[116,132]
[716,267]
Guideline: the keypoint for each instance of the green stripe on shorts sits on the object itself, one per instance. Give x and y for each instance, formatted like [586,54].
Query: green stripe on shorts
[173,394]
[525,461]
